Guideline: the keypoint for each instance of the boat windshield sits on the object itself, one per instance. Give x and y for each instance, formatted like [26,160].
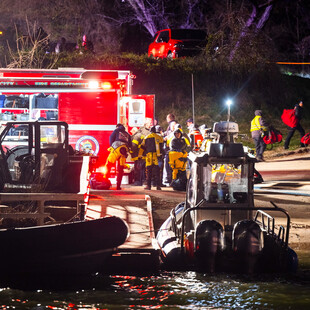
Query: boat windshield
[225,183]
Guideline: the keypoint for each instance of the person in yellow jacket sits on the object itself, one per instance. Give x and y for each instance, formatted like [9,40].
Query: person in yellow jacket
[178,153]
[139,162]
[120,141]
[152,145]
[258,129]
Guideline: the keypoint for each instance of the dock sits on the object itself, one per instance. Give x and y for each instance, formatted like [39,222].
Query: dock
[140,252]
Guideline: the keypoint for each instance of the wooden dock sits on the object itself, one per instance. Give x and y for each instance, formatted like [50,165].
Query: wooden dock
[139,253]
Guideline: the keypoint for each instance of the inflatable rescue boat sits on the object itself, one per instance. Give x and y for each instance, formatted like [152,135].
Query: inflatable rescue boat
[218,228]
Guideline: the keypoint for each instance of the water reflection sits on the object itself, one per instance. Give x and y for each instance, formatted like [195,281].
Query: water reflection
[173,290]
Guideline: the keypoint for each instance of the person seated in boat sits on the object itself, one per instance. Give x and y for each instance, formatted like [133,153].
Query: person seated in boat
[179,147]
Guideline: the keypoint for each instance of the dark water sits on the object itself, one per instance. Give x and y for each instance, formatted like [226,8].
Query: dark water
[173,290]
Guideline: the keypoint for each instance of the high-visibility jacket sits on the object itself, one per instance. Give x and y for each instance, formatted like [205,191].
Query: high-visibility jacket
[177,162]
[136,141]
[152,145]
[118,151]
[257,124]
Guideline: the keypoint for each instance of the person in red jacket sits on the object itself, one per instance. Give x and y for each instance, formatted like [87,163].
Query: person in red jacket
[298,113]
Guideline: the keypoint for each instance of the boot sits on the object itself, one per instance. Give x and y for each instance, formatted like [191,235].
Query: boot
[119,178]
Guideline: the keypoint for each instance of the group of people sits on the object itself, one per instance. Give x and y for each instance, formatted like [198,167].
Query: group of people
[259,128]
[160,157]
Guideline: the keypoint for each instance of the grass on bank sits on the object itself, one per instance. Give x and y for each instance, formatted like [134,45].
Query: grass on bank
[252,85]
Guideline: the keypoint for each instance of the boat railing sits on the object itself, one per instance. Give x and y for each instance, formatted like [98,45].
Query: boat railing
[262,217]
[174,222]
[266,221]
[283,235]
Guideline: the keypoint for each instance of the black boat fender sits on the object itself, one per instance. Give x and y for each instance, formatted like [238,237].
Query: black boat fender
[168,241]
[209,241]
[292,260]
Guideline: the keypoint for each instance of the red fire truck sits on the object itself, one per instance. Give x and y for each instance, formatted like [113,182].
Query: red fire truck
[92,102]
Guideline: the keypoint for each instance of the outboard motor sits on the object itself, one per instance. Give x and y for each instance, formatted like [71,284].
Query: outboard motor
[209,242]
[248,242]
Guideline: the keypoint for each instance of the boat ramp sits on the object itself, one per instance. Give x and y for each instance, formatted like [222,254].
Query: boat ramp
[140,252]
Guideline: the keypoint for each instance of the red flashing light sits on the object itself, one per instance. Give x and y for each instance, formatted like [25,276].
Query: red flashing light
[106,85]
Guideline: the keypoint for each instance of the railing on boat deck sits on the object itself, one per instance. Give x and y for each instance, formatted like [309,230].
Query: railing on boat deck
[284,238]
[41,198]
[267,223]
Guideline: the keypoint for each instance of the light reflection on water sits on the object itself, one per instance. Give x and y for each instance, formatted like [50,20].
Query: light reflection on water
[174,290]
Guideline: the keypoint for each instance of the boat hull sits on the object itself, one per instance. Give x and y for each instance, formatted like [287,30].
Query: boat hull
[76,248]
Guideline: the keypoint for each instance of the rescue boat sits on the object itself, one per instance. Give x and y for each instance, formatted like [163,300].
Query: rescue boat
[37,166]
[67,249]
[218,228]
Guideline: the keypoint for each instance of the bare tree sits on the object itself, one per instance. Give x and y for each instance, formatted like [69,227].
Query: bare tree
[66,18]
[31,50]
[155,15]
[257,19]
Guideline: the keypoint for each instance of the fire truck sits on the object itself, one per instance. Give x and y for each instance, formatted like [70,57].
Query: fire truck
[92,102]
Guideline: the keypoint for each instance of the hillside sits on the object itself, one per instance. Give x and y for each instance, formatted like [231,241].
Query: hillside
[250,86]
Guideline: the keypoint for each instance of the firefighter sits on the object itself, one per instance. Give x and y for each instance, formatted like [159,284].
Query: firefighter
[139,162]
[152,145]
[178,154]
[258,129]
[120,143]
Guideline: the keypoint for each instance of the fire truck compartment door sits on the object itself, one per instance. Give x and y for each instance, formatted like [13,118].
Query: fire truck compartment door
[136,115]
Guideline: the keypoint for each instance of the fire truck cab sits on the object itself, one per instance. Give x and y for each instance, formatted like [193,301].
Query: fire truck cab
[92,102]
